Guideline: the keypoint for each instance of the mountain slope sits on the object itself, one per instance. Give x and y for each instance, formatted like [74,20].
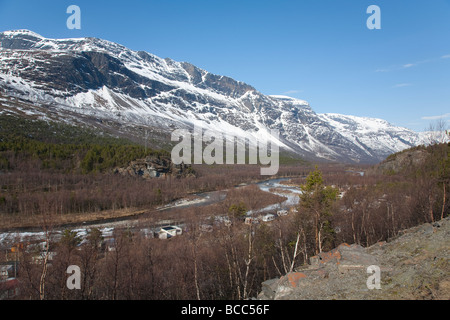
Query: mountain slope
[90,80]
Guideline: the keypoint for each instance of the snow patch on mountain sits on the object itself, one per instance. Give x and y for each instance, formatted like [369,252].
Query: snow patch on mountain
[104,80]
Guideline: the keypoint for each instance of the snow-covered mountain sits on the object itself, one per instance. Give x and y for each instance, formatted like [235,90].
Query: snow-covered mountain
[89,80]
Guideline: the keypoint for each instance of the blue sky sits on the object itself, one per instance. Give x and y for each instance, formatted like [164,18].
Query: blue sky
[317,50]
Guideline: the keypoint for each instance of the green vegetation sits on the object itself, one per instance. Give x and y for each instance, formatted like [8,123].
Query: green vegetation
[70,239]
[238,211]
[317,201]
[64,148]
[291,159]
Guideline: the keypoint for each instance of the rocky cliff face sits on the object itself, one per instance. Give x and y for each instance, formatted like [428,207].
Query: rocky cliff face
[103,82]
[414,265]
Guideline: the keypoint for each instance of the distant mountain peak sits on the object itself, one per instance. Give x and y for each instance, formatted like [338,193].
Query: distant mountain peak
[293,101]
[21,32]
[92,78]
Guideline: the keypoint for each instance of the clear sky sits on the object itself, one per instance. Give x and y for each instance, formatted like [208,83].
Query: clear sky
[317,50]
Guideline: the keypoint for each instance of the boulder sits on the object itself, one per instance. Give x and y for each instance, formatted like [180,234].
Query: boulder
[345,257]
[413,265]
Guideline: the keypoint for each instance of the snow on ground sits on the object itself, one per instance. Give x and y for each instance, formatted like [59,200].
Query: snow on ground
[107,229]
[291,193]
[183,203]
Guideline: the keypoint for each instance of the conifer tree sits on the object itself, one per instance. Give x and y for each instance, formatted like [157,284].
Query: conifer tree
[316,201]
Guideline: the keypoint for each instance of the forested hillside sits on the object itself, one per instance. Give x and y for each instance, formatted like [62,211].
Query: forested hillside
[65,171]
[62,147]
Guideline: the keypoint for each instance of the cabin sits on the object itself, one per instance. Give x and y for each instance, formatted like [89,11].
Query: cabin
[250,221]
[268,217]
[169,232]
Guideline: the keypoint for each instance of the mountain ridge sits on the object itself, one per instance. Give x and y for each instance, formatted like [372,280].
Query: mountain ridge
[100,79]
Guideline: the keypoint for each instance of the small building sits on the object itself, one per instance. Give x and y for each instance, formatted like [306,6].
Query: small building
[251,220]
[268,217]
[169,232]
[281,213]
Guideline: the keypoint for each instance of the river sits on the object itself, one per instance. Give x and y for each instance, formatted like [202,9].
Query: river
[201,199]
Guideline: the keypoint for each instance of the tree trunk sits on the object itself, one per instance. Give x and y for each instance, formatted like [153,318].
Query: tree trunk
[353,227]
[194,253]
[443,201]
[295,252]
[431,207]
[248,261]
[44,270]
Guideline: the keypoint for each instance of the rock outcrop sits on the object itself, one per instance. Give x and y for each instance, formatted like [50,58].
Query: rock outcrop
[155,168]
[414,265]
[397,162]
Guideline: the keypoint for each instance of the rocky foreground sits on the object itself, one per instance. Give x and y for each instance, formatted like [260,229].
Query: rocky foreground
[414,265]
